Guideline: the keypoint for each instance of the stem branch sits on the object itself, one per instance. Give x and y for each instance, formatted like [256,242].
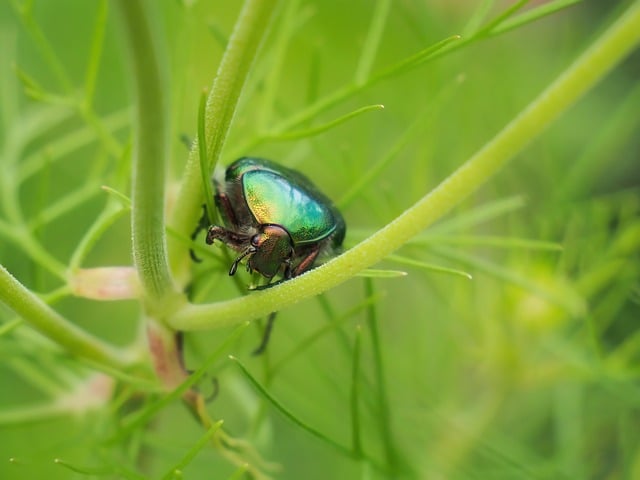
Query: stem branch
[51,324]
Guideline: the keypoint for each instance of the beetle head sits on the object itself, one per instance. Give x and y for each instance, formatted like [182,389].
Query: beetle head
[273,247]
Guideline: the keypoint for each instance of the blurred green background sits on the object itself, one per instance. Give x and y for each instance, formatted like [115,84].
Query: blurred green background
[529,370]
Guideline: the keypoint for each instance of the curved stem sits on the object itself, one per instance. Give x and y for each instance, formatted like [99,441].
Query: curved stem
[51,324]
[150,155]
[618,41]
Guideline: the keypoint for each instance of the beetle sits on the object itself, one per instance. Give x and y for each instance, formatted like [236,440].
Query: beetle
[277,220]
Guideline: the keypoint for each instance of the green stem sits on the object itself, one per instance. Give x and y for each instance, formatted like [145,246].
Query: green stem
[210,212]
[356,438]
[309,132]
[617,42]
[25,414]
[372,42]
[51,324]
[23,239]
[150,155]
[384,413]
[221,107]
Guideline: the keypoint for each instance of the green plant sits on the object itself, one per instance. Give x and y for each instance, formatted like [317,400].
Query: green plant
[509,372]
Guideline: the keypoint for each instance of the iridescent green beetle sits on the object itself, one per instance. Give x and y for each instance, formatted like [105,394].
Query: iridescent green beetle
[276,218]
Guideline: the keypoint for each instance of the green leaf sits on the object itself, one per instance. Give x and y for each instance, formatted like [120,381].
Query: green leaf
[428,266]
[379,273]
[309,132]
[532,15]
[284,411]
[143,416]
[356,439]
[193,451]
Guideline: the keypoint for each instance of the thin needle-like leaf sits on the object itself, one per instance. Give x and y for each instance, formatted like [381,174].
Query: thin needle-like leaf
[283,34]
[10,325]
[284,411]
[109,215]
[487,241]
[422,120]
[565,298]
[204,159]
[414,60]
[143,416]
[108,470]
[428,266]
[60,148]
[479,215]
[95,53]
[240,472]
[47,50]
[64,205]
[218,35]
[122,198]
[309,132]
[372,41]
[531,15]
[193,451]
[356,439]
[382,400]
[303,345]
[47,382]
[380,273]
[508,12]
[477,18]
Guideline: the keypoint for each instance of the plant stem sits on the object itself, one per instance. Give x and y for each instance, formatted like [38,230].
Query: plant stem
[618,41]
[221,106]
[371,44]
[356,437]
[150,155]
[51,324]
[384,413]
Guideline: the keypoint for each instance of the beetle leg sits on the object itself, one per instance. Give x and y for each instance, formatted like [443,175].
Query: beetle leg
[226,210]
[203,223]
[287,269]
[307,262]
[232,239]
[303,266]
[235,240]
[266,334]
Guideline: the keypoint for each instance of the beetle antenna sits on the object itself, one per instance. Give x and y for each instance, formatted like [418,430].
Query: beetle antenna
[234,265]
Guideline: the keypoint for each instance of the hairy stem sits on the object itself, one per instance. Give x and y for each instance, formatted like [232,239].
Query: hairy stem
[52,325]
[221,107]
[150,80]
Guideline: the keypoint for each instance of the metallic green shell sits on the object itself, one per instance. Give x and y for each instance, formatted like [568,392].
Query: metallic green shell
[275,199]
